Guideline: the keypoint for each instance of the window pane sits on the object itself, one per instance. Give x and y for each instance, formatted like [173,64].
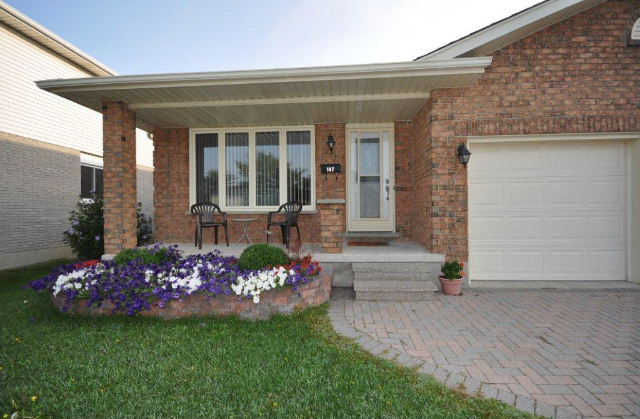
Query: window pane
[86,181]
[369,196]
[99,184]
[299,166]
[267,169]
[237,169]
[207,168]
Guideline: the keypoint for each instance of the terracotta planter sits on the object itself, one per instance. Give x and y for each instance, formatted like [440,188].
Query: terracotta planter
[451,286]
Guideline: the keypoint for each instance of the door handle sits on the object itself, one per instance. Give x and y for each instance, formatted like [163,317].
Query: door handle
[387,188]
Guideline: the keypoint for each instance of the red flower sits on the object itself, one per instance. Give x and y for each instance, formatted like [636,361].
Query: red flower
[86,263]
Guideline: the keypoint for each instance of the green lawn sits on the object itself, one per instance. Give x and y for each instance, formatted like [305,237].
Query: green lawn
[123,367]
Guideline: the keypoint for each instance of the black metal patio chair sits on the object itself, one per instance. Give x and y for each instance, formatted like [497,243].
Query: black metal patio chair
[285,217]
[209,215]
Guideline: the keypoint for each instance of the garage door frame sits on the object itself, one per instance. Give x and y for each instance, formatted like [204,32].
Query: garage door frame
[632,153]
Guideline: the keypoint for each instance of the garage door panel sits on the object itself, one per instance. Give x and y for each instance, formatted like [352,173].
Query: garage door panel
[526,262]
[562,193]
[606,159]
[608,193]
[606,227]
[524,194]
[488,262]
[555,212]
[525,160]
[525,227]
[488,194]
[609,262]
[566,228]
[563,159]
[488,227]
[565,261]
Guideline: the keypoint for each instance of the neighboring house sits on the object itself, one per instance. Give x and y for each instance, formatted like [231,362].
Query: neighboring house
[547,101]
[50,148]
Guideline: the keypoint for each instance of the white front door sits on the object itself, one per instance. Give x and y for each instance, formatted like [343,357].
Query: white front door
[370,168]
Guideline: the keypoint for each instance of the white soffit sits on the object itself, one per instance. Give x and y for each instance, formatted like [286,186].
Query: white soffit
[511,29]
[354,93]
[43,36]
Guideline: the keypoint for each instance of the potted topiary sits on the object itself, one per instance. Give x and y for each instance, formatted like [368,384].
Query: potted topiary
[451,278]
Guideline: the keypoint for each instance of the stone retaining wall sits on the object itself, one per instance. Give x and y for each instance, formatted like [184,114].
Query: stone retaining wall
[282,300]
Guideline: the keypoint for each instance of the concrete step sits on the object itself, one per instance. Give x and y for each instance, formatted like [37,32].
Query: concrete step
[394,286]
[392,276]
[398,290]
[394,295]
[395,267]
[342,275]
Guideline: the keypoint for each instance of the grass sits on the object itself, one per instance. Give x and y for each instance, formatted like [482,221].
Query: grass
[287,367]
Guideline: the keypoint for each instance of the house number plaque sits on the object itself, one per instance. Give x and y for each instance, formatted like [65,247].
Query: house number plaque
[330,168]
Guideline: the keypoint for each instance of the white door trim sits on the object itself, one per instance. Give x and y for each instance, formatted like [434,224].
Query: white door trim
[389,126]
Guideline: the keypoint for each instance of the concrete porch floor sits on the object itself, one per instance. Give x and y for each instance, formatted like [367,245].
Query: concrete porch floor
[395,251]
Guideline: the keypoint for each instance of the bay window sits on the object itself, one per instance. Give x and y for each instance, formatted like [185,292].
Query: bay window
[255,169]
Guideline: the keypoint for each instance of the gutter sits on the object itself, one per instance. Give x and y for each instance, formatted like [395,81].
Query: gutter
[474,65]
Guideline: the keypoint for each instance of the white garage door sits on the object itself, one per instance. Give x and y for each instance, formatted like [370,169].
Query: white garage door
[547,211]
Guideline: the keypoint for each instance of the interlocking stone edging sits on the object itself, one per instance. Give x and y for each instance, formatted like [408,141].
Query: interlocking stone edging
[281,300]
[452,379]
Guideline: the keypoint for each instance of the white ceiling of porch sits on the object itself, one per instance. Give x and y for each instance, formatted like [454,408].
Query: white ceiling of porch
[364,93]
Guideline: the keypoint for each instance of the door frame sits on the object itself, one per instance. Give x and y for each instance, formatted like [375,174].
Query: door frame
[392,169]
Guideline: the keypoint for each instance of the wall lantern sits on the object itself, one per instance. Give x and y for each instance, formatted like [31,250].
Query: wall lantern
[463,154]
[331,143]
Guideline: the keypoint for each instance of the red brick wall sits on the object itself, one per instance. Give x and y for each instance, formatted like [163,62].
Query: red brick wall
[332,217]
[171,192]
[572,77]
[120,194]
[405,172]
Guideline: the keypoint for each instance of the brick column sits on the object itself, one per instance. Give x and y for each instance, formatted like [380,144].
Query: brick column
[120,195]
[332,190]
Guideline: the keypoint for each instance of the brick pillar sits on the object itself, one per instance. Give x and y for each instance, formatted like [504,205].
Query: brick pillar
[331,192]
[120,195]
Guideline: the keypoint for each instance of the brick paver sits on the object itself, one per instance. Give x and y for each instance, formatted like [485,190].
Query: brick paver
[575,349]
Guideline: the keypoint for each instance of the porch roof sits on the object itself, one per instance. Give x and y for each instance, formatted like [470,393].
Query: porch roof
[294,96]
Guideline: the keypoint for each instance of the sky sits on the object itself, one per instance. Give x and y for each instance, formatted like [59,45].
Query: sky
[169,36]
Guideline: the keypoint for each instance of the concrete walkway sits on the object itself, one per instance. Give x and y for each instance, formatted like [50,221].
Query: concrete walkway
[549,351]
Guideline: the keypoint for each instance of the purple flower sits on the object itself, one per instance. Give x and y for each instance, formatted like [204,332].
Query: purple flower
[98,238]
[137,286]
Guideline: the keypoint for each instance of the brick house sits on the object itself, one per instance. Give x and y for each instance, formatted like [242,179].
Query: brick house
[547,101]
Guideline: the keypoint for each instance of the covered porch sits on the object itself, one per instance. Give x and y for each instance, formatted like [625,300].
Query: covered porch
[340,140]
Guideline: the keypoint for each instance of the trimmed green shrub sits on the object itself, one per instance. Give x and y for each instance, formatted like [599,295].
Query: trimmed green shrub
[153,255]
[258,256]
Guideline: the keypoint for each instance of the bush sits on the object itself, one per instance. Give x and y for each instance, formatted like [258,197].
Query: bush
[85,236]
[258,256]
[452,269]
[147,255]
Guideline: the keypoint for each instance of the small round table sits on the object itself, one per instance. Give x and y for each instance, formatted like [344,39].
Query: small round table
[245,229]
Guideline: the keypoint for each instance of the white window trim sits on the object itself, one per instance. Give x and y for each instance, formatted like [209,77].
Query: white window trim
[252,208]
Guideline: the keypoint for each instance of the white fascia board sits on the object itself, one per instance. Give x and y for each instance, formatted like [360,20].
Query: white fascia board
[511,25]
[475,65]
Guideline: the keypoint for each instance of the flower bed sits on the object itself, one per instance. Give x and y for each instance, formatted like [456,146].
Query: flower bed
[197,285]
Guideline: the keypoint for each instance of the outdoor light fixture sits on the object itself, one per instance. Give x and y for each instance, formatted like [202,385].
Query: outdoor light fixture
[331,143]
[463,154]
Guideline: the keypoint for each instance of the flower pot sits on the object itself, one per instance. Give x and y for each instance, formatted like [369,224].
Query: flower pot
[451,286]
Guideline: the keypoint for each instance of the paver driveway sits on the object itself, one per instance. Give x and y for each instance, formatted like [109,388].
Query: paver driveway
[579,349]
